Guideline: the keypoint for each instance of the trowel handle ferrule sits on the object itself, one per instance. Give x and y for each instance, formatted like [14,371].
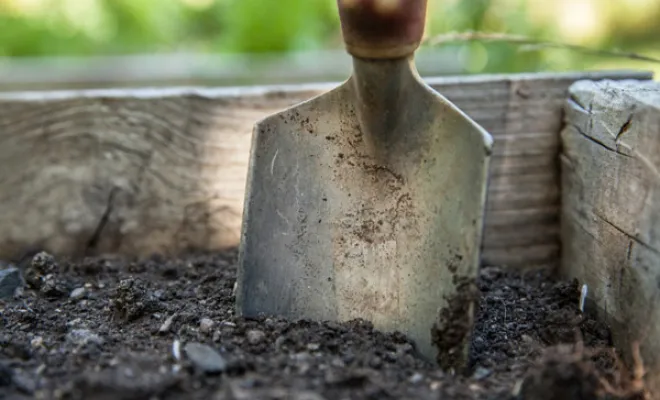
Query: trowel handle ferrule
[382,29]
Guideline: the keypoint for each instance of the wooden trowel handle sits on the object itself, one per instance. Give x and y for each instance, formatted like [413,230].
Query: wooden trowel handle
[382,29]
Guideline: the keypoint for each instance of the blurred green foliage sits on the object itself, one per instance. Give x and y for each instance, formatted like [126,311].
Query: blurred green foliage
[102,27]
[81,27]
[483,16]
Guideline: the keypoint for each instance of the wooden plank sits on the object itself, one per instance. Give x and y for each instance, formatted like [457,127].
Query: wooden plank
[526,144]
[526,235]
[149,70]
[507,166]
[523,217]
[524,256]
[543,196]
[610,211]
[502,183]
[163,170]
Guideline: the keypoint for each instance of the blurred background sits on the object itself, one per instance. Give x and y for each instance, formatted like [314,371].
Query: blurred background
[46,44]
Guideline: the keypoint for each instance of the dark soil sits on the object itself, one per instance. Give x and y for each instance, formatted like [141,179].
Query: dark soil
[128,335]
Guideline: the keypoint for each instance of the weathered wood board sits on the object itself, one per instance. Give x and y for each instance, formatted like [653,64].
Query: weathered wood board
[143,171]
[196,69]
[611,209]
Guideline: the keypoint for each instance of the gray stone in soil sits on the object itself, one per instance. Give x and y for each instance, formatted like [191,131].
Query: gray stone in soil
[482,373]
[205,325]
[10,281]
[77,293]
[81,337]
[43,261]
[416,378]
[255,336]
[205,358]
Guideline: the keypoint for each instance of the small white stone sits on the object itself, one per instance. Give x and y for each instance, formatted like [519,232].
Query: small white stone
[176,349]
[205,358]
[255,336]
[206,325]
[583,296]
[228,324]
[165,327]
[416,378]
[82,337]
[37,342]
[74,322]
[78,293]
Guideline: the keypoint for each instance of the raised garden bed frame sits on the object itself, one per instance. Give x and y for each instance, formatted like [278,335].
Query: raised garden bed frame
[148,171]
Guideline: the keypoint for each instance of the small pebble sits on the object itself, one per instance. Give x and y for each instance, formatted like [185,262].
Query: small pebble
[390,357]
[10,282]
[74,322]
[228,324]
[303,356]
[167,325]
[416,378]
[205,358]
[83,337]
[77,293]
[37,342]
[405,348]
[337,363]
[475,388]
[376,362]
[255,336]
[481,373]
[206,325]
[43,261]
[176,349]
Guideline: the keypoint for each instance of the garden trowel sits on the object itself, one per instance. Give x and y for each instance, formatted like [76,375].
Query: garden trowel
[367,202]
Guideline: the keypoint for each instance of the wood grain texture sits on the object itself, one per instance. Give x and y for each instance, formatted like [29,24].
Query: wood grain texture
[610,219]
[145,171]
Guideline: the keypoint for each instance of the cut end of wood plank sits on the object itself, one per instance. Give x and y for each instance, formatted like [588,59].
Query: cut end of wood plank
[610,214]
